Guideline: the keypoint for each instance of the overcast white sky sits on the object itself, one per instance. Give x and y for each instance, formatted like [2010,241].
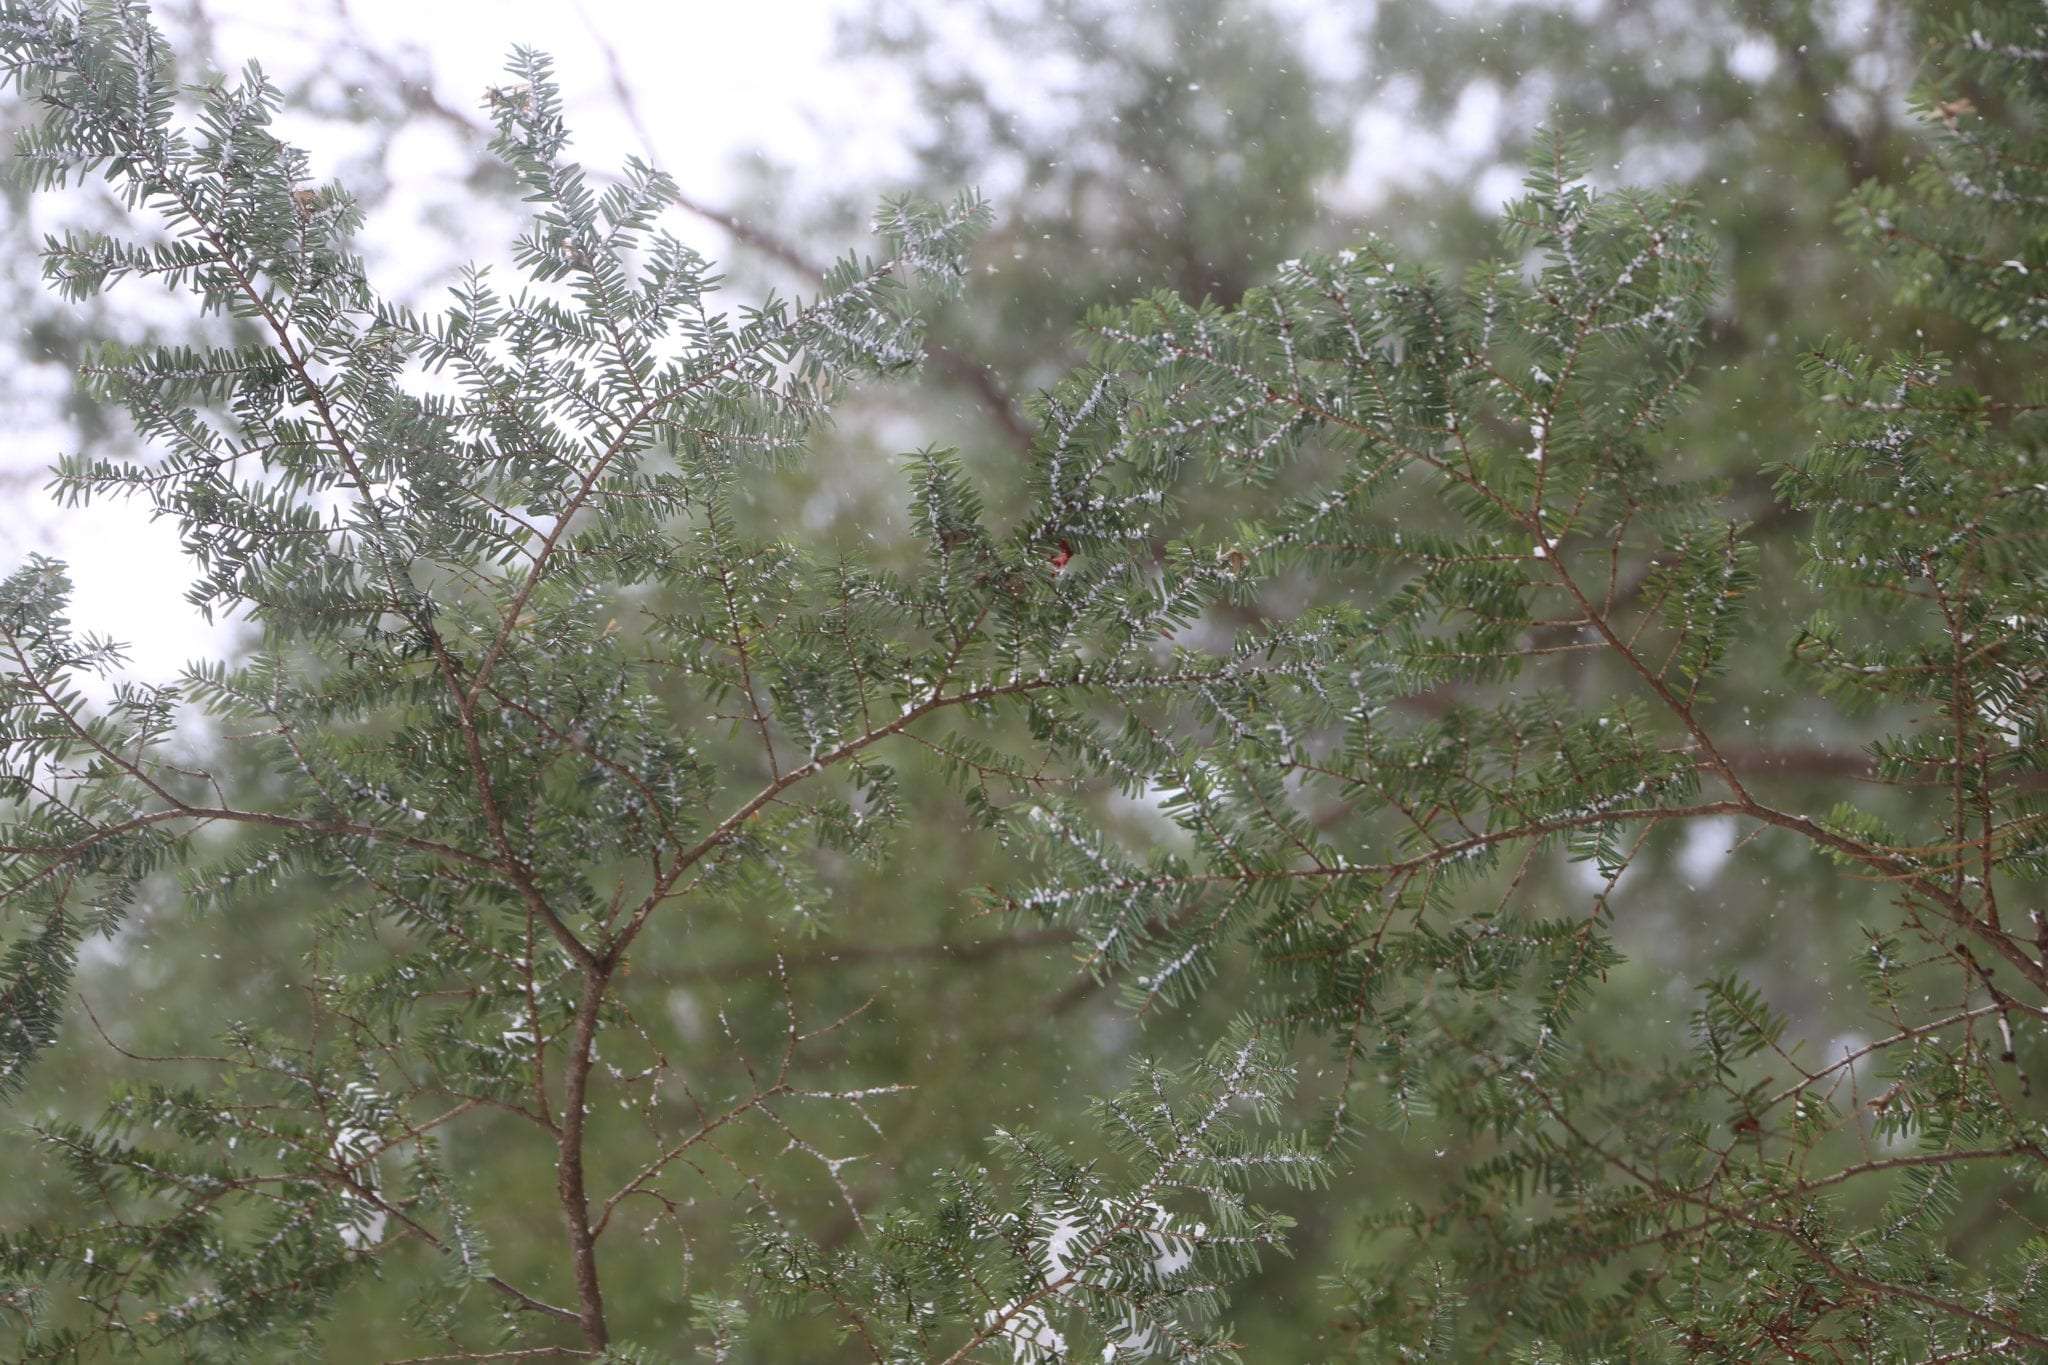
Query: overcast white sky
[713,79]
[690,63]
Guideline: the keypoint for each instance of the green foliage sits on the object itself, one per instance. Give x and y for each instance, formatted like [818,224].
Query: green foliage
[1063,1261]
[541,708]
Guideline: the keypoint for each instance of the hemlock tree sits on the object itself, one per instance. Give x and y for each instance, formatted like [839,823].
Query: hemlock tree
[538,705]
[1653,92]
[977,1008]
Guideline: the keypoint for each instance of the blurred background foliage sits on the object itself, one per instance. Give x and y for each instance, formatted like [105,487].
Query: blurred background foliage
[1189,145]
